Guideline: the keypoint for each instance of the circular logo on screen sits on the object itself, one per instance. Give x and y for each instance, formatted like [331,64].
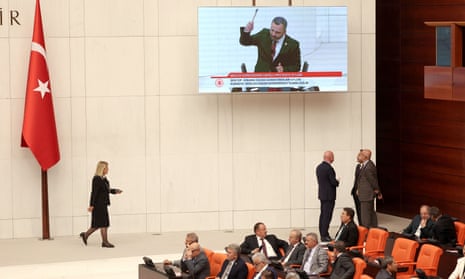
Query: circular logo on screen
[219,82]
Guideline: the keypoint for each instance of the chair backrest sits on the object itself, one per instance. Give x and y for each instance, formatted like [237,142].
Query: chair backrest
[362,235]
[359,265]
[460,232]
[428,259]
[209,253]
[376,242]
[216,263]
[404,250]
[251,270]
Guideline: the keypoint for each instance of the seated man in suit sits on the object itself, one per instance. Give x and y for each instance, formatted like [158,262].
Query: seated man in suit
[343,267]
[190,238]
[316,258]
[261,264]
[348,231]
[421,224]
[268,244]
[195,262]
[389,269]
[233,267]
[443,229]
[295,252]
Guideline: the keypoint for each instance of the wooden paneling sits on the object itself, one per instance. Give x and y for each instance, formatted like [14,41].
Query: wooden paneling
[438,82]
[420,142]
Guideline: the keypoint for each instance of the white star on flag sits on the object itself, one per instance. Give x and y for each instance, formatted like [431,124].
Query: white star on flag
[42,88]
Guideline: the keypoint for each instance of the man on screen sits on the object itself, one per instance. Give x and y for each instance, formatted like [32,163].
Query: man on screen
[277,52]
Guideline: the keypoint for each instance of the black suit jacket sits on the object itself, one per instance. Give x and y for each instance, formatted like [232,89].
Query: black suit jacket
[100,195]
[327,182]
[238,270]
[198,267]
[289,55]
[443,231]
[349,235]
[297,255]
[343,267]
[412,227]
[250,243]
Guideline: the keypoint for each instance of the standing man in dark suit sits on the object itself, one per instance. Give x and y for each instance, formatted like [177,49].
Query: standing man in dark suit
[295,252]
[327,184]
[277,52]
[366,188]
[268,244]
[343,267]
[196,262]
[233,267]
[348,231]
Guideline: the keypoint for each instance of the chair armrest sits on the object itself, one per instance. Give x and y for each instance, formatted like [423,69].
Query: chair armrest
[356,247]
[407,263]
[294,265]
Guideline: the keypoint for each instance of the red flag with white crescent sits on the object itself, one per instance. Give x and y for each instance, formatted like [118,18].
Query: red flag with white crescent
[39,128]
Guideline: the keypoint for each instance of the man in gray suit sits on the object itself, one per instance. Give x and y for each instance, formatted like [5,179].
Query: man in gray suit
[366,188]
[296,250]
[315,257]
[196,262]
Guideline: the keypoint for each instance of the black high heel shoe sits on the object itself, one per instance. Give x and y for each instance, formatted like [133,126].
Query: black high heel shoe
[107,245]
[83,236]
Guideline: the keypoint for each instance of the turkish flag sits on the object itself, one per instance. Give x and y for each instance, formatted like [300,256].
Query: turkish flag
[39,128]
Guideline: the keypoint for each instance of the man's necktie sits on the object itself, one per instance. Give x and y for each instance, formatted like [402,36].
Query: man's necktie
[227,270]
[338,234]
[264,248]
[273,49]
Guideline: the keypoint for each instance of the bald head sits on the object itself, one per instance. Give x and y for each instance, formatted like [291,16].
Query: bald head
[328,156]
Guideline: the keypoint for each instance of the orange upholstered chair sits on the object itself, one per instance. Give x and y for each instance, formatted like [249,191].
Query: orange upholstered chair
[374,243]
[251,270]
[362,236]
[460,232]
[428,260]
[359,265]
[209,253]
[404,251]
[364,276]
[216,262]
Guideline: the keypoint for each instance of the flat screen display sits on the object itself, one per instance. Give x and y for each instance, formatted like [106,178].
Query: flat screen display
[272,49]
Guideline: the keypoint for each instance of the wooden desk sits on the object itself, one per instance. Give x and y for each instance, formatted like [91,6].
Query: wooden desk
[146,272]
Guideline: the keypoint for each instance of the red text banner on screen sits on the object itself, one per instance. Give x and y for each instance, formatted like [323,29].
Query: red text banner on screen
[274,79]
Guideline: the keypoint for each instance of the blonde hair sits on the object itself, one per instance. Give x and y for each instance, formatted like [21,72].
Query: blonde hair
[101,165]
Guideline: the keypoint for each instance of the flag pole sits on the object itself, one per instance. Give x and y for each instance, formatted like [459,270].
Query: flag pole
[45,212]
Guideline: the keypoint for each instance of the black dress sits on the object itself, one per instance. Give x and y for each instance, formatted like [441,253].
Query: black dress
[100,200]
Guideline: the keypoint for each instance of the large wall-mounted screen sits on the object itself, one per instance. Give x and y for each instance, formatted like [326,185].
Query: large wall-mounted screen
[272,49]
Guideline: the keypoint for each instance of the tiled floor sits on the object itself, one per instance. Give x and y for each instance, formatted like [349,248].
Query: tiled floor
[68,258]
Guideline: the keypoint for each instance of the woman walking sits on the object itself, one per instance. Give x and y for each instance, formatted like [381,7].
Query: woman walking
[99,202]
